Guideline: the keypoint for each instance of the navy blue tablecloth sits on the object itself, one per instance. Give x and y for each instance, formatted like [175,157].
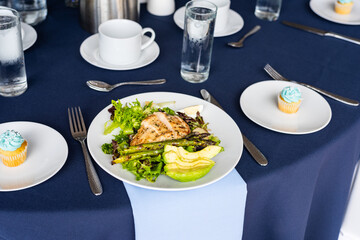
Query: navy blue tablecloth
[301,194]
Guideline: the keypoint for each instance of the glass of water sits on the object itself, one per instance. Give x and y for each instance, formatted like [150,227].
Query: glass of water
[198,39]
[13,80]
[268,9]
[31,11]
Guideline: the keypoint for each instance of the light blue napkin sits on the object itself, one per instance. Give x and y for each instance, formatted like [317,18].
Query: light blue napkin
[212,212]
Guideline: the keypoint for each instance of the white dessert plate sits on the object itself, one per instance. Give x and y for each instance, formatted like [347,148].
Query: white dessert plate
[47,153]
[89,50]
[235,22]
[259,103]
[325,9]
[29,35]
[220,123]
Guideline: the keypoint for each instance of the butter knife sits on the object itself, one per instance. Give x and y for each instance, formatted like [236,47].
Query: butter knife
[253,150]
[322,32]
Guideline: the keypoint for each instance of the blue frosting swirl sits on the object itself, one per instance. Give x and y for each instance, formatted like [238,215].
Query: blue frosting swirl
[344,1]
[10,140]
[291,94]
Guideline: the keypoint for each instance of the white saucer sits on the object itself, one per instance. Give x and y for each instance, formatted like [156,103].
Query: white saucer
[259,103]
[89,50]
[325,9]
[47,153]
[29,35]
[235,22]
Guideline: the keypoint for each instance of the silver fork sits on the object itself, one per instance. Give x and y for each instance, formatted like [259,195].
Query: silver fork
[78,131]
[277,76]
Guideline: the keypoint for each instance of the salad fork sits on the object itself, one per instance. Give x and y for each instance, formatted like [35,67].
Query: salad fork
[78,131]
[277,76]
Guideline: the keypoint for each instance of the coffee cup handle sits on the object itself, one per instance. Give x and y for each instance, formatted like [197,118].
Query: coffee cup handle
[151,40]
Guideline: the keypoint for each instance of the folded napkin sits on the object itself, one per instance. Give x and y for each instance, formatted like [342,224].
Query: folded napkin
[212,212]
[350,227]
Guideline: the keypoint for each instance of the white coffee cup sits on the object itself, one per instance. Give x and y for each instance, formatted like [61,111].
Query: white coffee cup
[161,7]
[120,41]
[223,8]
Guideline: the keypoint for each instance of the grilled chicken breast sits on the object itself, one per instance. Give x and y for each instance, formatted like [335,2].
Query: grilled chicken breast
[160,127]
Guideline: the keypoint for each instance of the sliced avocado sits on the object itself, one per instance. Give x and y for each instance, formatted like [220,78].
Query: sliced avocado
[187,175]
[190,165]
[184,169]
[207,152]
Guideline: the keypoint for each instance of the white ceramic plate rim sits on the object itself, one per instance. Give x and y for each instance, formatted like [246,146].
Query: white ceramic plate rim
[235,22]
[325,9]
[47,153]
[220,123]
[89,50]
[259,104]
[29,37]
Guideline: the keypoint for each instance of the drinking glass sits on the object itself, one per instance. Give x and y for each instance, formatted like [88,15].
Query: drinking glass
[13,80]
[31,11]
[198,39]
[268,9]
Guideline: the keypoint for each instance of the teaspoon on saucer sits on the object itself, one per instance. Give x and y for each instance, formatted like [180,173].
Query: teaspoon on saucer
[105,87]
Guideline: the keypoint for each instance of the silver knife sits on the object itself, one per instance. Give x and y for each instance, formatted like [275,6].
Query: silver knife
[322,32]
[253,150]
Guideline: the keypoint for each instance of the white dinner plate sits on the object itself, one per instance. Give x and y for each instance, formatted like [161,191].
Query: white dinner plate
[235,22]
[325,9]
[46,154]
[89,50]
[259,103]
[220,124]
[29,35]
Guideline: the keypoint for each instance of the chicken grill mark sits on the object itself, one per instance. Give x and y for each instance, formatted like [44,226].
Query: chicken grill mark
[160,127]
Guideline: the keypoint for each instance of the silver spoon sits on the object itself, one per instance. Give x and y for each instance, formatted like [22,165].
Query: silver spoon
[105,87]
[239,43]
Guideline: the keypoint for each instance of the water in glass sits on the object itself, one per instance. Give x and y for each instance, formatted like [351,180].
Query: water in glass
[13,80]
[268,9]
[31,11]
[197,43]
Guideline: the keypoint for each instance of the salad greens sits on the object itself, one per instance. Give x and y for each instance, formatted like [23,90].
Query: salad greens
[127,117]
[149,168]
[146,160]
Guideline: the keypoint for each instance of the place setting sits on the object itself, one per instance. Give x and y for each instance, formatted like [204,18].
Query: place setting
[44,155]
[332,10]
[305,110]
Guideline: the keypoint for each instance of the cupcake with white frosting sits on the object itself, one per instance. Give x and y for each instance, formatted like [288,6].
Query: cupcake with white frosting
[289,99]
[13,148]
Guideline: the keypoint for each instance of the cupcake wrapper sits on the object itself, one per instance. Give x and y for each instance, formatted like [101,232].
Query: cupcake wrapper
[288,107]
[14,160]
[345,8]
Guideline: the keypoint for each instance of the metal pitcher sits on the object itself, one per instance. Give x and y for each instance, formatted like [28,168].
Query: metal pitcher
[95,12]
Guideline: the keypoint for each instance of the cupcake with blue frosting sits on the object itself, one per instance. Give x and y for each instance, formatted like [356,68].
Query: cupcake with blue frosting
[13,148]
[343,6]
[289,99]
